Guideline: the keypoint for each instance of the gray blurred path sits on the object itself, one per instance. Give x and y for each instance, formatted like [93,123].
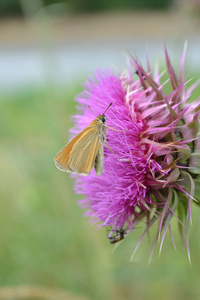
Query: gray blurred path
[65,49]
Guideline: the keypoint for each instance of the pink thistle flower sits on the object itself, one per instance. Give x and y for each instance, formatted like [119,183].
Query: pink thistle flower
[152,171]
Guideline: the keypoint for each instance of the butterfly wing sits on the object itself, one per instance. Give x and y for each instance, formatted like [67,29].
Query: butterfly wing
[84,153]
[78,156]
[62,158]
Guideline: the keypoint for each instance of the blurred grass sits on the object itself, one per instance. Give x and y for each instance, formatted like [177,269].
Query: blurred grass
[44,239]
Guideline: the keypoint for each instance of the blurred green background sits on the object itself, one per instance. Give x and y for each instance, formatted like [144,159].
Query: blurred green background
[13,7]
[48,250]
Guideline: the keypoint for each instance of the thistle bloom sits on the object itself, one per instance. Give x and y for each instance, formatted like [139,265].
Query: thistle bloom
[153,168]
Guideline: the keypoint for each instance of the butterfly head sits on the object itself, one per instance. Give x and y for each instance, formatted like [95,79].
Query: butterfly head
[103,118]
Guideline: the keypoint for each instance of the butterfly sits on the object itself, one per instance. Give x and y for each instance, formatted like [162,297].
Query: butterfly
[85,151]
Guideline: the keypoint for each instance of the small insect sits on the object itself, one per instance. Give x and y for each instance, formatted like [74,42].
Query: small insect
[136,72]
[85,150]
[119,236]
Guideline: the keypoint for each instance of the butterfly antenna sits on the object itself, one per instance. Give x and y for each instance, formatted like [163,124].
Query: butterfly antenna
[91,110]
[107,108]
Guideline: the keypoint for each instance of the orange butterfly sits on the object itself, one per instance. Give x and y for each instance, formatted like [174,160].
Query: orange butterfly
[85,150]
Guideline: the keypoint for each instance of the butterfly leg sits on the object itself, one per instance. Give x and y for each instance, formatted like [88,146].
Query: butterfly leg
[115,129]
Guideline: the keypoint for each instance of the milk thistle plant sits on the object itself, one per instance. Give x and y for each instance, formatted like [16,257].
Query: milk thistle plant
[152,173]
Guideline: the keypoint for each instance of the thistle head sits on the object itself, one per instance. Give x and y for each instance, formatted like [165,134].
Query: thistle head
[153,168]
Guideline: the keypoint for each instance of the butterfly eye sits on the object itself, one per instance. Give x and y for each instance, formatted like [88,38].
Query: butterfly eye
[103,119]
